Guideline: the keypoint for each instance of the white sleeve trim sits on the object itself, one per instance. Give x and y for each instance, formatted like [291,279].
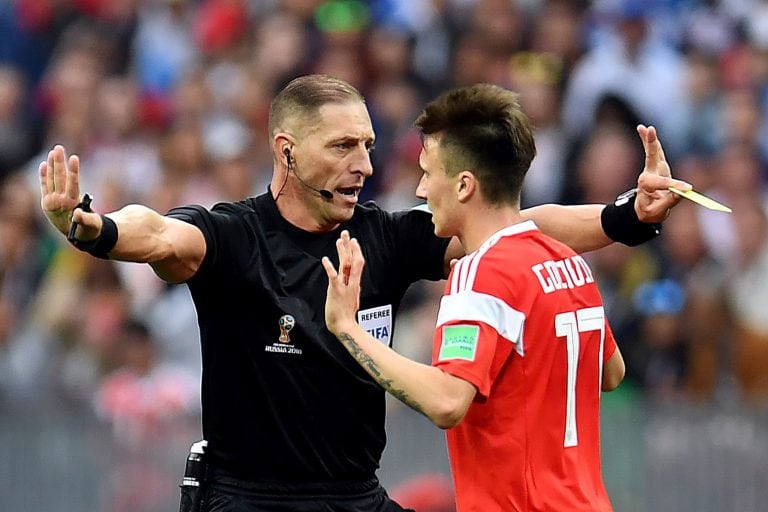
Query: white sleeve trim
[481,307]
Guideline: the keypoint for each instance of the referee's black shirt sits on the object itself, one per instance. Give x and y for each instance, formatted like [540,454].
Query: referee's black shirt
[297,410]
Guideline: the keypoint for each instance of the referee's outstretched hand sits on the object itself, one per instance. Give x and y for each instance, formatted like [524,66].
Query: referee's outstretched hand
[60,194]
[343,297]
[654,200]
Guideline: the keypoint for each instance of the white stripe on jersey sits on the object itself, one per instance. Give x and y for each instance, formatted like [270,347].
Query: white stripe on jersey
[455,276]
[481,307]
[466,268]
[459,269]
[473,266]
[464,272]
[465,304]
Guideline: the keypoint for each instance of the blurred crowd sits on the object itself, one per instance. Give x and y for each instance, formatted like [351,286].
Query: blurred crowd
[166,103]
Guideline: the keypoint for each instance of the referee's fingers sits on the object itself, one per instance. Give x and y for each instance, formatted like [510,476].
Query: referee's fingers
[654,153]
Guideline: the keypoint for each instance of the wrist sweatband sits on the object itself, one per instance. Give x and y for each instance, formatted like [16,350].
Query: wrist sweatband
[102,244]
[621,224]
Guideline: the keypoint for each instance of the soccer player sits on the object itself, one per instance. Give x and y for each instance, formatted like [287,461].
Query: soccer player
[292,422]
[522,348]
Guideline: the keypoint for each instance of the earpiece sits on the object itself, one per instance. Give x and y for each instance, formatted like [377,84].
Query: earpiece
[325,194]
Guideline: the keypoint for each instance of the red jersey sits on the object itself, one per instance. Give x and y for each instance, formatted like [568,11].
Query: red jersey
[523,321]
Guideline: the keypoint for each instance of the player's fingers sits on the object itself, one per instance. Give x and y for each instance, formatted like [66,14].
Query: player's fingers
[355,251]
[347,246]
[342,248]
[344,238]
[341,243]
[345,261]
[329,269]
[358,262]
[341,251]
[73,178]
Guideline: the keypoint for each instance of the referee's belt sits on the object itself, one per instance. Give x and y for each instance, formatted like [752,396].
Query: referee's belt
[225,481]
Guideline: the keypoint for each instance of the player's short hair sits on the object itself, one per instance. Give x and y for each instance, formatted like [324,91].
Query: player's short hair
[302,98]
[482,129]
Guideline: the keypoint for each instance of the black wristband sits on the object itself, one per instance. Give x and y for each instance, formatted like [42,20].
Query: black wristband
[620,222]
[102,244]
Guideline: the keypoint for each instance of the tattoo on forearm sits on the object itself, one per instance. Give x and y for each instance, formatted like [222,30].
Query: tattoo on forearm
[373,370]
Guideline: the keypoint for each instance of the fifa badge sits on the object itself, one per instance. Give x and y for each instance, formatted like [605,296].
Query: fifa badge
[286,323]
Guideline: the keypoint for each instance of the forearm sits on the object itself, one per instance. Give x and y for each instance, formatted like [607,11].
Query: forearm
[577,226]
[173,248]
[140,236]
[613,371]
[426,389]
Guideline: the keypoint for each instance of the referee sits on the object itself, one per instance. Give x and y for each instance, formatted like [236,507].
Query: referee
[292,422]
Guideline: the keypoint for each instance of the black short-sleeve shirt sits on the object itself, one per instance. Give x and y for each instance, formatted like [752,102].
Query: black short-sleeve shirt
[282,398]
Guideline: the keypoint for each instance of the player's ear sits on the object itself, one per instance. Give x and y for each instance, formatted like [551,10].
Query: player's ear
[466,186]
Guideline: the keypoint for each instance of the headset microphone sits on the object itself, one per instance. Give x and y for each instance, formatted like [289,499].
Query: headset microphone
[325,194]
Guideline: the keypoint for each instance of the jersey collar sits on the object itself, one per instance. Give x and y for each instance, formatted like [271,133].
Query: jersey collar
[514,229]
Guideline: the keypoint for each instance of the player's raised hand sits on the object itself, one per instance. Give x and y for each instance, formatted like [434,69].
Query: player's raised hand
[654,200]
[60,193]
[343,296]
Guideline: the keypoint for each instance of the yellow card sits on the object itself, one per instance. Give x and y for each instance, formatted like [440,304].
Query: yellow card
[701,199]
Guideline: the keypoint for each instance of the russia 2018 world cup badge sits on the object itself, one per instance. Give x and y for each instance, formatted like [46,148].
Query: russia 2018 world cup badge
[286,323]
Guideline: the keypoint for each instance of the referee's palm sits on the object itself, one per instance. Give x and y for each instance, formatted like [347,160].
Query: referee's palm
[59,187]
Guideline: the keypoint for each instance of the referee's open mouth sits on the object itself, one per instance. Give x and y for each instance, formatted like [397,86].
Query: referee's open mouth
[349,192]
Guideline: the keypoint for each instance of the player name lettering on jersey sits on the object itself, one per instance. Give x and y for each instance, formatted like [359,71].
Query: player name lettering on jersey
[563,274]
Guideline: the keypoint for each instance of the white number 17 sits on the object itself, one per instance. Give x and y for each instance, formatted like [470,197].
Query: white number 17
[570,324]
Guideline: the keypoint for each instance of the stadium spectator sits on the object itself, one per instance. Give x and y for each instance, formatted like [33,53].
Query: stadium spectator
[657,354]
[147,404]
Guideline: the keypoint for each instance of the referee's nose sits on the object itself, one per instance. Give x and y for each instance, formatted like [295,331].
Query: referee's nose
[362,164]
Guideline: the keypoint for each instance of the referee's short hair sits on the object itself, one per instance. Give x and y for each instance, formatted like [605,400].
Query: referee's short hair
[303,97]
